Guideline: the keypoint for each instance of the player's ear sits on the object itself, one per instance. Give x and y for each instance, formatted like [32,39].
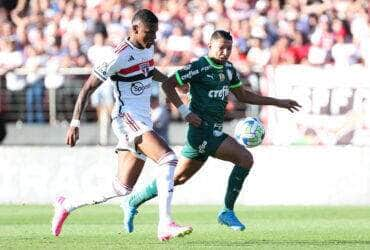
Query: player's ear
[135,28]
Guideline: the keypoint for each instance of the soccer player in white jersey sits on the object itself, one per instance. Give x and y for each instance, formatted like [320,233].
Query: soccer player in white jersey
[131,71]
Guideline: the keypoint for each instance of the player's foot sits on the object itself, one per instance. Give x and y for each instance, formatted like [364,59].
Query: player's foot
[173,230]
[60,215]
[129,213]
[227,217]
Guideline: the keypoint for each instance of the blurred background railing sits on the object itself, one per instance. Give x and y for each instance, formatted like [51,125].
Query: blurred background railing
[57,97]
[335,100]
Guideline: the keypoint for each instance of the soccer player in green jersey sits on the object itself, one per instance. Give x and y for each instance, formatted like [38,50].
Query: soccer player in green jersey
[210,78]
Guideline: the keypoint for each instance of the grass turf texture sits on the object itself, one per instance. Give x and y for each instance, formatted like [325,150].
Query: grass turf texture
[270,227]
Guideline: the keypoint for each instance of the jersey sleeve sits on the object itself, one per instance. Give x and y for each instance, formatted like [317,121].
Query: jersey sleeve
[107,67]
[188,74]
[234,79]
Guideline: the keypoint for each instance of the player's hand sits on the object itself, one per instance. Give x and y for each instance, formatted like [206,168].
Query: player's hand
[72,136]
[288,104]
[193,119]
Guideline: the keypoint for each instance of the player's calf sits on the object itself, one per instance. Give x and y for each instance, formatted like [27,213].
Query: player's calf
[64,206]
[167,164]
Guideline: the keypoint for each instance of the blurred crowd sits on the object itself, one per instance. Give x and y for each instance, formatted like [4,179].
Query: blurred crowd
[78,33]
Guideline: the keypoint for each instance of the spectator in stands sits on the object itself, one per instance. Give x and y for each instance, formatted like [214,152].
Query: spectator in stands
[74,57]
[102,98]
[280,54]
[178,47]
[344,54]
[35,85]
[266,33]
[10,58]
[299,48]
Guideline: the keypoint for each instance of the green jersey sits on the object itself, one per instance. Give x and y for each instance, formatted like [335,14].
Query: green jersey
[209,87]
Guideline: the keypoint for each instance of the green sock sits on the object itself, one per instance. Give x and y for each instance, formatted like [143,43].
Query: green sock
[139,197]
[236,180]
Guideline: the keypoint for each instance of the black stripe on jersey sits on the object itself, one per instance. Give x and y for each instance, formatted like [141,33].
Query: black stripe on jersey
[119,99]
[132,78]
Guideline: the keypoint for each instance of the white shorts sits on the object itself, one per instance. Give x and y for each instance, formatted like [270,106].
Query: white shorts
[127,128]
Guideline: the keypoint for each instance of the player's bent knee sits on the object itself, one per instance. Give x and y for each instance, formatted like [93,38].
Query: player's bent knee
[120,189]
[246,159]
[168,158]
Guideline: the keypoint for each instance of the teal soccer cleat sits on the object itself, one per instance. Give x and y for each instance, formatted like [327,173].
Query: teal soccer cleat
[129,215]
[227,217]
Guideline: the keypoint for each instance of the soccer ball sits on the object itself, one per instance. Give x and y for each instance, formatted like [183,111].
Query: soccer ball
[249,132]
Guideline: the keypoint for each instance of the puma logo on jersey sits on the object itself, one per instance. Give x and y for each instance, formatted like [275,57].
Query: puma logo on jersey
[209,76]
[222,93]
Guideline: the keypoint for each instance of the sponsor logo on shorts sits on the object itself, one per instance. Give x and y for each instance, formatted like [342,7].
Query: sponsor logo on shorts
[202,147]
[137,88]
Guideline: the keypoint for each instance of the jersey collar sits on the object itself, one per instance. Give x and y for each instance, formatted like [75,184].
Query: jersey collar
[213,64]
[131,45]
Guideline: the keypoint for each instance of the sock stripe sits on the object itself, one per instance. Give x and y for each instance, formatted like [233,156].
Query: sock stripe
[120,188]
[171,163]
[164,156]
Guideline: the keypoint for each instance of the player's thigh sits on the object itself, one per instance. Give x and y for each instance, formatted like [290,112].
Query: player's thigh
[129,168]
[185,169]
[231,150]
[152,145]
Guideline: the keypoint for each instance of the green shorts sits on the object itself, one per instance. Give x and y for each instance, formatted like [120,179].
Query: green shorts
[203,141]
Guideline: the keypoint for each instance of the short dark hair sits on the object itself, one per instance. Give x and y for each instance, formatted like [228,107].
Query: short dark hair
[218,34]
[145,16]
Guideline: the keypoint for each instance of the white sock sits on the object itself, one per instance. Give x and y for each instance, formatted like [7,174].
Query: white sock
[117,190]
[167,165]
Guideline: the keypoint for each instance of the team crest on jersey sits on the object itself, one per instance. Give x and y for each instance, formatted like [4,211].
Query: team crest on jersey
[144,67]
[222,77]
[102,69]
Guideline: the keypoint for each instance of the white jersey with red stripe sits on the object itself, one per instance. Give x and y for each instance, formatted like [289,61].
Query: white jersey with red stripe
[130,70]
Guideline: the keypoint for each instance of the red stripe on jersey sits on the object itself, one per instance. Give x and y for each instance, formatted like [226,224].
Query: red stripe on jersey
[128,116]
[122,43]
[135,67]
[131,122]
[120,47]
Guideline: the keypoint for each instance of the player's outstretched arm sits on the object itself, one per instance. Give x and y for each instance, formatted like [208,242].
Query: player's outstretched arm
[159,76]
[247,96]
[87,89]
[169,88]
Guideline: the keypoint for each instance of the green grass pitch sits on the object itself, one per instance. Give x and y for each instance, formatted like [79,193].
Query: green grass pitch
[269,227]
